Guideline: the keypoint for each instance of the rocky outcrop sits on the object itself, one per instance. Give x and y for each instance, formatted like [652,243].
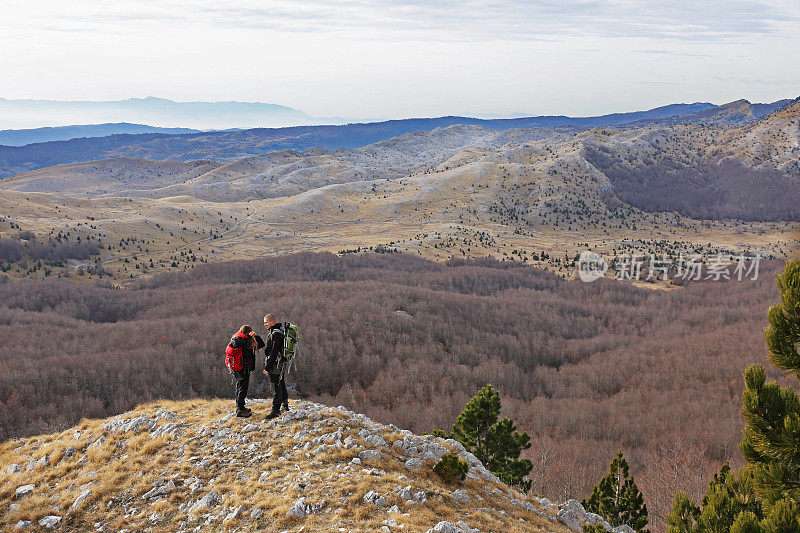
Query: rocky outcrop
[194,466]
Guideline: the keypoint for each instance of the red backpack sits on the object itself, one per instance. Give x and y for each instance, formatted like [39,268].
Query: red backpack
[233,356]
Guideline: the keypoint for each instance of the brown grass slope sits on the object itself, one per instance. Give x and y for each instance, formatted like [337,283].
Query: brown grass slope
[175,466]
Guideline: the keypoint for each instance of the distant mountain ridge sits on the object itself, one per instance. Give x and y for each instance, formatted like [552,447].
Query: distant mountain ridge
[226,146]
[736,113]
[64,133]
[158,112]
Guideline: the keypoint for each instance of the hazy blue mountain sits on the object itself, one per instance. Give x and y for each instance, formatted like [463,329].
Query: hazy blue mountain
[63,133]
[734,113]
[15,114]
[232,145]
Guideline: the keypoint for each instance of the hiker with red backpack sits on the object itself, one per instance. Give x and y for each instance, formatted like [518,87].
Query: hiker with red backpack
[240,358]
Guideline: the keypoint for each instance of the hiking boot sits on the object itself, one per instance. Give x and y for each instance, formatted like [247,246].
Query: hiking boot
[286,407]
[273,414]
[242,414]
[248,411]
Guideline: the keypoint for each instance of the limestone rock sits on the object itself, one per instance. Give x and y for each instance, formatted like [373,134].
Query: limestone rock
[24,490]
[366,455]
[463,525]
[571,519]
[375,499]
[460,496]
[82,497]
[235,514]
[445,527]
[206,502]
[302,508]
[414,463]
[50,521]
[159,491]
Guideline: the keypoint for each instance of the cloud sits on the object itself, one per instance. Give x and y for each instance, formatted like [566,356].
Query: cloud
[476,20]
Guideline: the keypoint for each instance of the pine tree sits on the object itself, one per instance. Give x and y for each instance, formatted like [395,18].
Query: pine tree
[771,443]
[496,443]
[764,496]
[617,498]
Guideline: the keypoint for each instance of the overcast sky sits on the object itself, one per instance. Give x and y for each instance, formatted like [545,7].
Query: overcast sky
[399,59]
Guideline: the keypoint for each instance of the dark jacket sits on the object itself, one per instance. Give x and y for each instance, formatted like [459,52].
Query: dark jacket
[273,349]
[248,353]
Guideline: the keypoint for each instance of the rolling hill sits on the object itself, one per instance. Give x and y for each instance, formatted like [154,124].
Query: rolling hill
[540,195]
[228,146]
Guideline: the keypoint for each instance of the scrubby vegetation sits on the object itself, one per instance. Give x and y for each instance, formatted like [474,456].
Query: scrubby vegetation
[585,369]
[451,468]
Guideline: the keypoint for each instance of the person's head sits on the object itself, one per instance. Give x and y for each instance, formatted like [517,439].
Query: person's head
[269,320]
[246,329]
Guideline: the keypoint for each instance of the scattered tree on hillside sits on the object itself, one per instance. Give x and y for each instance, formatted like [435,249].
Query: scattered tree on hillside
[617,498]
[497,444]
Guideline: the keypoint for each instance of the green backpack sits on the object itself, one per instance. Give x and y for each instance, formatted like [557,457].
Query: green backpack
[291,334]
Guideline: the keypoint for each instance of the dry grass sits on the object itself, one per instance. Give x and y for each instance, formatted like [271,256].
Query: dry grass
[125,466]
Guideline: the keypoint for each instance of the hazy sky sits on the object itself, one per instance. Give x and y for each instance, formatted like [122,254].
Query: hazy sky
[399,59]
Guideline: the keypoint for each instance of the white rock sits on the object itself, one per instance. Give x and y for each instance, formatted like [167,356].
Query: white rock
[135,424]
[256,513]
[574,505]
[571,519]
[460,496]
[23,524]
[302,508]
[592,519]
[13,469]
[50,521]
[414,463]
[375,441]
[463,525]
[204,503]
[236,513]
[24,490]
[69,451]
[82,497]
[249,428]
[406,493]
[445,527]
[366,455]
[624,528]
[160,491]
[375,499]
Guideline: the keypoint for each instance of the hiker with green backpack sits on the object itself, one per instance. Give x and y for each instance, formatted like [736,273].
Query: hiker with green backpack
[280,350]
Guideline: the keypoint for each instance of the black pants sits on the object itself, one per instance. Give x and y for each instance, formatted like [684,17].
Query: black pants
[242,384]
[279,390]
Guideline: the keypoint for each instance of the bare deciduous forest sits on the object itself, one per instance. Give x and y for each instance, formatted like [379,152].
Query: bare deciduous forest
[708,190]
[586,369]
